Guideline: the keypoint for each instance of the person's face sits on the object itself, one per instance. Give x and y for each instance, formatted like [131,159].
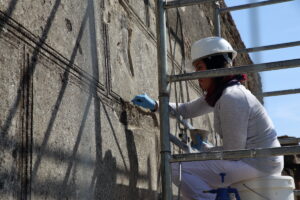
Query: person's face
[204,83]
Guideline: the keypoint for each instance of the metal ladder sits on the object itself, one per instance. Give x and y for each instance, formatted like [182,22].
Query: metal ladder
[165,79]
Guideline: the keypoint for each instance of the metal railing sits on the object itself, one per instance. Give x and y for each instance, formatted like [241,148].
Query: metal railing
[236,70]
[183,3]
[281,92]
[289,140]
[236,155]
[269,47]
[165,79]
[253,5]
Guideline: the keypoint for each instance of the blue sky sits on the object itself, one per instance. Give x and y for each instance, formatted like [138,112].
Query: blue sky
[268,25]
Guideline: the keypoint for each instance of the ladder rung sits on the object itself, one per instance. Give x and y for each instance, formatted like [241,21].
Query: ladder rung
[281,92]
[236,70]
[289,140]
[236,154]
[269,47]
[182,3]
[252,5]
[297,192]
[184,122]
[178,143]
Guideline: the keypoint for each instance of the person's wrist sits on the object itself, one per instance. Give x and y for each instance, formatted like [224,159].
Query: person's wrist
[155,107]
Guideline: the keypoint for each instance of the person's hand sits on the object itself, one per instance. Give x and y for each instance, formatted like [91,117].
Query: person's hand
[144,101]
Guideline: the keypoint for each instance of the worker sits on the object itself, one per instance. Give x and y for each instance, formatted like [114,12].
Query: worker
[239,118]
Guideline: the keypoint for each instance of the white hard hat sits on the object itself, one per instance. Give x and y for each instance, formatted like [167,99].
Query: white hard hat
[211,46]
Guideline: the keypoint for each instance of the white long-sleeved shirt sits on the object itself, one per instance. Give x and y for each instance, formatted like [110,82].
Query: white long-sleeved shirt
[242,122]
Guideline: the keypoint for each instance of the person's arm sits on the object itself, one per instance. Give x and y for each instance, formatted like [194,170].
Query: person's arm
[193,108]
[187,110]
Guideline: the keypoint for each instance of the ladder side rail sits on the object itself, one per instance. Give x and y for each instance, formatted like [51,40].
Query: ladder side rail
[281,92]
[188,126]
[184,122]
[297,192]
[236,154]
[269,47]
[252,5]
[284,141]
[179,144]
[163,101]
[236,70]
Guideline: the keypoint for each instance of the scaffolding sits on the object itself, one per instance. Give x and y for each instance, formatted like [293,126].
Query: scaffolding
[165,79]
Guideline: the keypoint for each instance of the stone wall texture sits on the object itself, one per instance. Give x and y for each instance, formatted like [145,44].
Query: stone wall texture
[68,70]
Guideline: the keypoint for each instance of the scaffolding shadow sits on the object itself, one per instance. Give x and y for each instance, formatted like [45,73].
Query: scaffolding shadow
[105,168]
[30,70]
[8,13]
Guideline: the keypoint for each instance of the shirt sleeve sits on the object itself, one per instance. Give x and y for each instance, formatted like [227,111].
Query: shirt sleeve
[193,108]
[234,112]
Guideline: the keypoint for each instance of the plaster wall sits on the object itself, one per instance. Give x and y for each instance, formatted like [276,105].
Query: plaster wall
[68,71]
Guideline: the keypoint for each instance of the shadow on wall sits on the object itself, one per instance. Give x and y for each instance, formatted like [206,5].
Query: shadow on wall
[32,63]
[132,154]
[24,149]
[104,180]
[7,14]
[3,21]
[106,187]
[62,91]
[22,90]
[132,190]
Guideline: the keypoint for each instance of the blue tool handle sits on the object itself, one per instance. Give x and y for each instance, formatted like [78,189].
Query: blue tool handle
[222,177]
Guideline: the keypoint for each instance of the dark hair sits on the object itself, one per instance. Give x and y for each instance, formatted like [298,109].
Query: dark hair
[216,61]
[219,83]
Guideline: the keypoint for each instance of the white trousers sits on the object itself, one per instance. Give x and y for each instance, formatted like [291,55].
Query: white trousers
[199,176]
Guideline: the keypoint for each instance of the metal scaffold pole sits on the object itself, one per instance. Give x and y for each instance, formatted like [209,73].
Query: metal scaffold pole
[281,92]
[163,101]
[217,19]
